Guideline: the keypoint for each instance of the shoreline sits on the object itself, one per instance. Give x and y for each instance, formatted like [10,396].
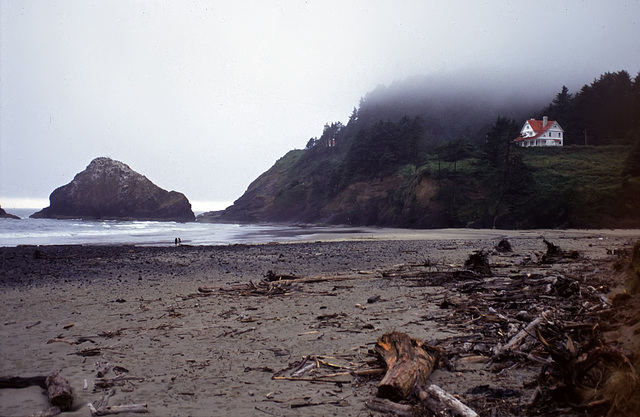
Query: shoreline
[256,234]
[189,352]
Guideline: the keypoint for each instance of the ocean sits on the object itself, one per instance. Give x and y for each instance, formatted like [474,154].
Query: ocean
[28,231]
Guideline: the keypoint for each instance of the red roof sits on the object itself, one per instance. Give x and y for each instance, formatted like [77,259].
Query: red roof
[538,130]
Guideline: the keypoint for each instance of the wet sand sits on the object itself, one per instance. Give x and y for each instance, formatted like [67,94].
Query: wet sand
[187,352]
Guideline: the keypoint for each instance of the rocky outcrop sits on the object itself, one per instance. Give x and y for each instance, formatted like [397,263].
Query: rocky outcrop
[109,189]
[5,215]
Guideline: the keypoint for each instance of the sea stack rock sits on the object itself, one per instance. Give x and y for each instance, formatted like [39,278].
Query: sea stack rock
[5,215]
[109,189]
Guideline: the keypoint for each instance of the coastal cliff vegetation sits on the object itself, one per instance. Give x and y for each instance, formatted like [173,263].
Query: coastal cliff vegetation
[427,157]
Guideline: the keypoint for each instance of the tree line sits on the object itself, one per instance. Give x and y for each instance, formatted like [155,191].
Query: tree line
[605,112]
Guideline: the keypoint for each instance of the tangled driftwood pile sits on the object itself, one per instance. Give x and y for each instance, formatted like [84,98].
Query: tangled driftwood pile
[518,313]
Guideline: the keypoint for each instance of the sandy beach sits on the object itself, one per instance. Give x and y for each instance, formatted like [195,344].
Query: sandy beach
[197,331]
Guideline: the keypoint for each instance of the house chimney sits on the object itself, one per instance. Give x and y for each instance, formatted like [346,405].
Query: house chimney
[544,121]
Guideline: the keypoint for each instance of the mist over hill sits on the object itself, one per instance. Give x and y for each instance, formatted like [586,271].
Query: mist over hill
[452,106]
[438,152]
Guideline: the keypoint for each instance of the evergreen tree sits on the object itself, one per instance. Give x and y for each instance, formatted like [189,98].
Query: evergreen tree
[508,177]
[560,107]
[635,109]
[497,145]
[454,151]
[603,111]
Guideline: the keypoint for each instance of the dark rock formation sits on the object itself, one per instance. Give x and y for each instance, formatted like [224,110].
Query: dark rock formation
[109,189]
[5,215]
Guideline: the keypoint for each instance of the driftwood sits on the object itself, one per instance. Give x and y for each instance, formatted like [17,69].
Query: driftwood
[439,402]
[103,368]
[275,284]
[434,398]
[478,262]
[519,338]
[58,391]
[555,253]
[118,409]
[382,405]
[409,364]
[504,246]
[102,408]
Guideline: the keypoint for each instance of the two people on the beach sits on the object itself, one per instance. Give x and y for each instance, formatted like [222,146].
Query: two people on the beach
[178,241]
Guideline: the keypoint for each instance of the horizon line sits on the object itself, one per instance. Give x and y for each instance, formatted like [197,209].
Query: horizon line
[22,203]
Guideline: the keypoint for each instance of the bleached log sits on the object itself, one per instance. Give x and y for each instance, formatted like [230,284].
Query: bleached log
[519,338]
[102,408]
[382,405]
[304,369]
[117,409]
[439,401]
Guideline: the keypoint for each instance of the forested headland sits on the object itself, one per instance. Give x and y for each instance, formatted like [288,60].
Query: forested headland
[422,155]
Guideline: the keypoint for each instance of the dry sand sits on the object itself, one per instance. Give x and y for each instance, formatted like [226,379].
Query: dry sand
[191,354]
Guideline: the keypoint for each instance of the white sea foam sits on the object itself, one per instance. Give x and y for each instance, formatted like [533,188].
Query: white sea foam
[28,231]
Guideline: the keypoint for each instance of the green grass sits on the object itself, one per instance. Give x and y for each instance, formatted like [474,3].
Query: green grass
[578,161]
[575,186]
[589,177]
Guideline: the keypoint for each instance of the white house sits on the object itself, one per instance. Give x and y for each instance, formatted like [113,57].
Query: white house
[540,133]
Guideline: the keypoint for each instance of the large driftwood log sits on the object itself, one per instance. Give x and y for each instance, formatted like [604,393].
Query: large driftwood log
[59,392]
[409,364]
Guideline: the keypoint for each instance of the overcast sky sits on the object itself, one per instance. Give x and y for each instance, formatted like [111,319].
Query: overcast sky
[202,97]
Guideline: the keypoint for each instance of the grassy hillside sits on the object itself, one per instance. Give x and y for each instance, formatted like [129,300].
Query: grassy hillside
[562,187]
[587,182]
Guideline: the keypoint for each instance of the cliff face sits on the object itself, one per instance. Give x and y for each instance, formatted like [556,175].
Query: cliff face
[259,204]
[562,191]
[109,189]
[296,190]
